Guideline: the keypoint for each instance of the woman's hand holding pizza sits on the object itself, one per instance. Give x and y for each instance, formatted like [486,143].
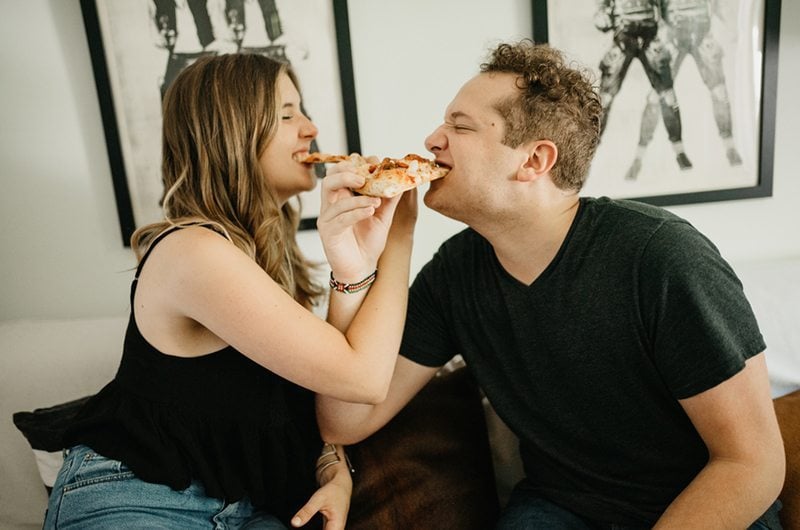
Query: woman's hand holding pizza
[353,228]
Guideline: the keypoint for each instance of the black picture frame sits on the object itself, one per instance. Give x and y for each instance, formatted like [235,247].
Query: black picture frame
[113,83]
[765,58]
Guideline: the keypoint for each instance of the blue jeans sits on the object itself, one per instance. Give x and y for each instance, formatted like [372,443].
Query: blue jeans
[527,511]
[94,492]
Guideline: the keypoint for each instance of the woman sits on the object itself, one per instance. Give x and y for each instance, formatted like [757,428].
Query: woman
[210,418]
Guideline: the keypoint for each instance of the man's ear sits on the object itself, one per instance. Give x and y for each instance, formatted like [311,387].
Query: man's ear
[542,156]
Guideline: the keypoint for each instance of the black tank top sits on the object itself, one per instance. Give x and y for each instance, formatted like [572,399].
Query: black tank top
[220,418]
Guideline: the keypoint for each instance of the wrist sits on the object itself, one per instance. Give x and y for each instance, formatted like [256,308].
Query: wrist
[329,473]
[332,463]
[399,242]
[353,273]
[341,477]
[338,474]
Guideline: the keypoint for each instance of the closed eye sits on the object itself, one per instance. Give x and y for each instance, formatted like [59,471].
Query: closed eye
[458,127]
[288,111]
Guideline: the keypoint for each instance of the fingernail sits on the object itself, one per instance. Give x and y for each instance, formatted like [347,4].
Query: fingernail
[297,521]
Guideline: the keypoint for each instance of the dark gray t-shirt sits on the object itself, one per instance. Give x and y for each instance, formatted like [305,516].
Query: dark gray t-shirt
[637,310]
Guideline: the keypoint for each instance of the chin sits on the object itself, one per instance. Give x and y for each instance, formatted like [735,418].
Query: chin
[433,200]
[311,183]
[441,202]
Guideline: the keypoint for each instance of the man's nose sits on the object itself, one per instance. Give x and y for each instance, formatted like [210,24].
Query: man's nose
[436,141]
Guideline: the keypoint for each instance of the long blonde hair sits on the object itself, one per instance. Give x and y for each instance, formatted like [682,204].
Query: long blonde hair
[219,114]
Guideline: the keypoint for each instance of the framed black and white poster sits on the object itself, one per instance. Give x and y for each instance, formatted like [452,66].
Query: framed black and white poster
[688,88]
[139,46]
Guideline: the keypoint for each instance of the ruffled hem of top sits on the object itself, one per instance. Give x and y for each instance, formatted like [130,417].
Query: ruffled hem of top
[272,464]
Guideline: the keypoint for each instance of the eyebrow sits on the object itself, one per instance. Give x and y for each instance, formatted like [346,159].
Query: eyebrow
[458,114]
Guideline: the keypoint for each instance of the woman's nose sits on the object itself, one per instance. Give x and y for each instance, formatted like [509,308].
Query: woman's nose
[309,130]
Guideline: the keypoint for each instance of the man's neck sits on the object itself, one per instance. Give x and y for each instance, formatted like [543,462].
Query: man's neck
[527,247]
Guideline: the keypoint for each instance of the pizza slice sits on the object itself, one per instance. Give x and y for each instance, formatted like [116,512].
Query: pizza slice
[389,177]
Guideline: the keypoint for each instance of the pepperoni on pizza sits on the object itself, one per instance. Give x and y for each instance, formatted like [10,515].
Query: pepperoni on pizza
[389,177]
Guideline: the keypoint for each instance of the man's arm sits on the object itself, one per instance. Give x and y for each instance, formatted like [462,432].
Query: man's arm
[746,465]
[348,423]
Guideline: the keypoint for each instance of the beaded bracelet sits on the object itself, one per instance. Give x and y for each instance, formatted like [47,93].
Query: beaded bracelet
[350,288]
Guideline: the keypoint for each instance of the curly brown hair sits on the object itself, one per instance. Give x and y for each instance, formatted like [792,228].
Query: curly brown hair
[557,102]
[219,115]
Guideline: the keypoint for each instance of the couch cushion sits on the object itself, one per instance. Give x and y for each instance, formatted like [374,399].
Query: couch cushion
[430,467]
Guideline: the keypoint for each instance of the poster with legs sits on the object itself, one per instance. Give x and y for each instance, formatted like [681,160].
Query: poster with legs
[688,90]
[139,46]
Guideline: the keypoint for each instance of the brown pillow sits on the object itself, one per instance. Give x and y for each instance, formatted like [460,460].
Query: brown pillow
[430,467]
[787,409]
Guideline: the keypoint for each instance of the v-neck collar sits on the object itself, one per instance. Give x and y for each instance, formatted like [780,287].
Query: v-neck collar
[517,284]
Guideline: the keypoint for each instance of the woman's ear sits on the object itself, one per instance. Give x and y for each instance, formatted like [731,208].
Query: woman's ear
[542,156]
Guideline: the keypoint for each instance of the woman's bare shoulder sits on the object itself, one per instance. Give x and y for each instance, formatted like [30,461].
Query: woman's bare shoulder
[192,250]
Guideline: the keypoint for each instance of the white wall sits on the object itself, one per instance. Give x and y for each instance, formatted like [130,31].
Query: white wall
[61,255]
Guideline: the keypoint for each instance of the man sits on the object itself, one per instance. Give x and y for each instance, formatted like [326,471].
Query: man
[687,25]
[635,26]
[610,336]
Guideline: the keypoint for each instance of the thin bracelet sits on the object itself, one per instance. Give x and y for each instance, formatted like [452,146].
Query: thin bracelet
[350,288]
[328,458]
[326,461]
[320,470]
[329,454]
[328,449]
